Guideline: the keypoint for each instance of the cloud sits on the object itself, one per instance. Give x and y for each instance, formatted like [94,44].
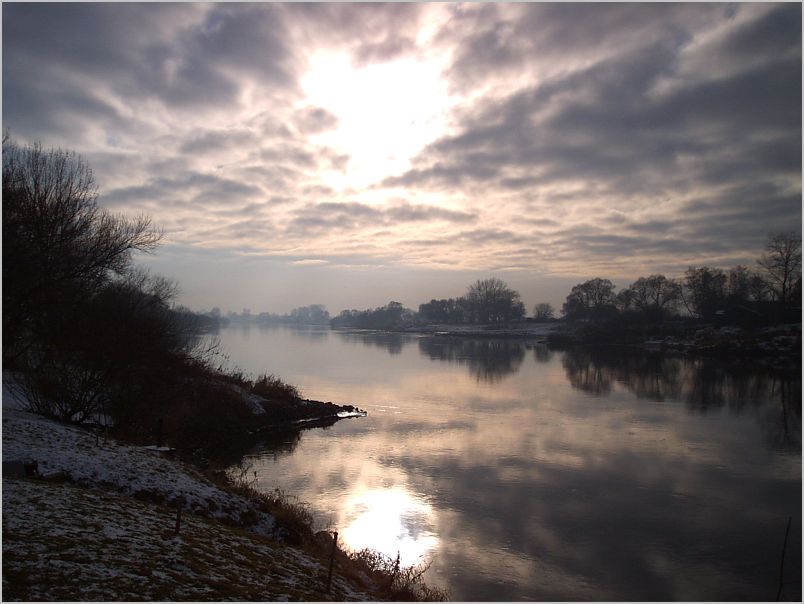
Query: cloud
[175,56]
[407,212]
[617,129]
[217,141]
[201,188]
[576,138]
[310,262]
[313,120]
[494,42]
[329,216]
[370,32]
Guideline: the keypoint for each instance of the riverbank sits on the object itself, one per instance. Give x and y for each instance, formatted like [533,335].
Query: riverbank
[768,343]
[507,330]
[524,329]
[87,517]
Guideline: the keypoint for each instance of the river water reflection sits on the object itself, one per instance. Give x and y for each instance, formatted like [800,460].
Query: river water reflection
[529,474]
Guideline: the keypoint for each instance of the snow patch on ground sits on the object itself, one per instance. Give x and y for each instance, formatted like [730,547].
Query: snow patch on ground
[254,401]
[63,542]
[72,452]
[105,529]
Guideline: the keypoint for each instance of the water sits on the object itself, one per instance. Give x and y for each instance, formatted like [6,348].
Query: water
[528,474]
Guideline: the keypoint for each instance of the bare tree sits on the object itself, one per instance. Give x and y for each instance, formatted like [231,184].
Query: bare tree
[543,311]
[655,294]
[704,291]
[492,301]
[593,297]
[781,264]
[58,246]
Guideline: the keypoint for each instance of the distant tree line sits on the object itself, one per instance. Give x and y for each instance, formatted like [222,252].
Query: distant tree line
[314,314]
[391,316]
[487,301]
[769,291]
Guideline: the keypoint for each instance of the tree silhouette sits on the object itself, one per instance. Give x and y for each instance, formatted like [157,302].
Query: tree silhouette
[781,265]
[655,296]
[59,247]
[543,311]
[492,301]
[593,298]
[704,290]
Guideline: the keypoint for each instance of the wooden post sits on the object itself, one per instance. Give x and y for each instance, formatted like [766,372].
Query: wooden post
[332,559]
[781,566]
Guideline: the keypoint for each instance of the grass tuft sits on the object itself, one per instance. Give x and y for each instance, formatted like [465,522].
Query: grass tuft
[273,388]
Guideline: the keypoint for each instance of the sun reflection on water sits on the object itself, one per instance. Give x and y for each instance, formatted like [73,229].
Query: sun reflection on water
[390,521]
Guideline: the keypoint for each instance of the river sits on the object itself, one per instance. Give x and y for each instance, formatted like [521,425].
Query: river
[522,473]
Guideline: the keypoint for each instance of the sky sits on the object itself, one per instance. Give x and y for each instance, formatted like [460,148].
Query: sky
[353,154]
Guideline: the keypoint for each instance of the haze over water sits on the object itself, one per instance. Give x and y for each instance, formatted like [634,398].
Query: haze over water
[525,473]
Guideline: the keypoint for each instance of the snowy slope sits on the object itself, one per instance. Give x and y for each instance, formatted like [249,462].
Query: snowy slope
[67,543]
[100,525]
[135,471]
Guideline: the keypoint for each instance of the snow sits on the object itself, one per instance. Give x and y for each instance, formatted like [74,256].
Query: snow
[100,525]
[254,401]
[66,543]
[137,471]
[345,414]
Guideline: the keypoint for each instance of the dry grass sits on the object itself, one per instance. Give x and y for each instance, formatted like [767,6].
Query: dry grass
[274,389]
[374,571]
[62,542]
[397,583]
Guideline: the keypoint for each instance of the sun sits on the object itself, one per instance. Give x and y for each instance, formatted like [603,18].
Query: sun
[387,112]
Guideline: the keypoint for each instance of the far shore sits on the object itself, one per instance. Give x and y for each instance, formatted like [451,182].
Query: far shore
[677,337]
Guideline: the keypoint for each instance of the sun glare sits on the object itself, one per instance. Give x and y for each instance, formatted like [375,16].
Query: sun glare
[386,112]
[390,521]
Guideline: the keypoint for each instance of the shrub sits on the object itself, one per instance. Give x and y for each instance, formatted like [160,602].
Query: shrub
[272,388]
